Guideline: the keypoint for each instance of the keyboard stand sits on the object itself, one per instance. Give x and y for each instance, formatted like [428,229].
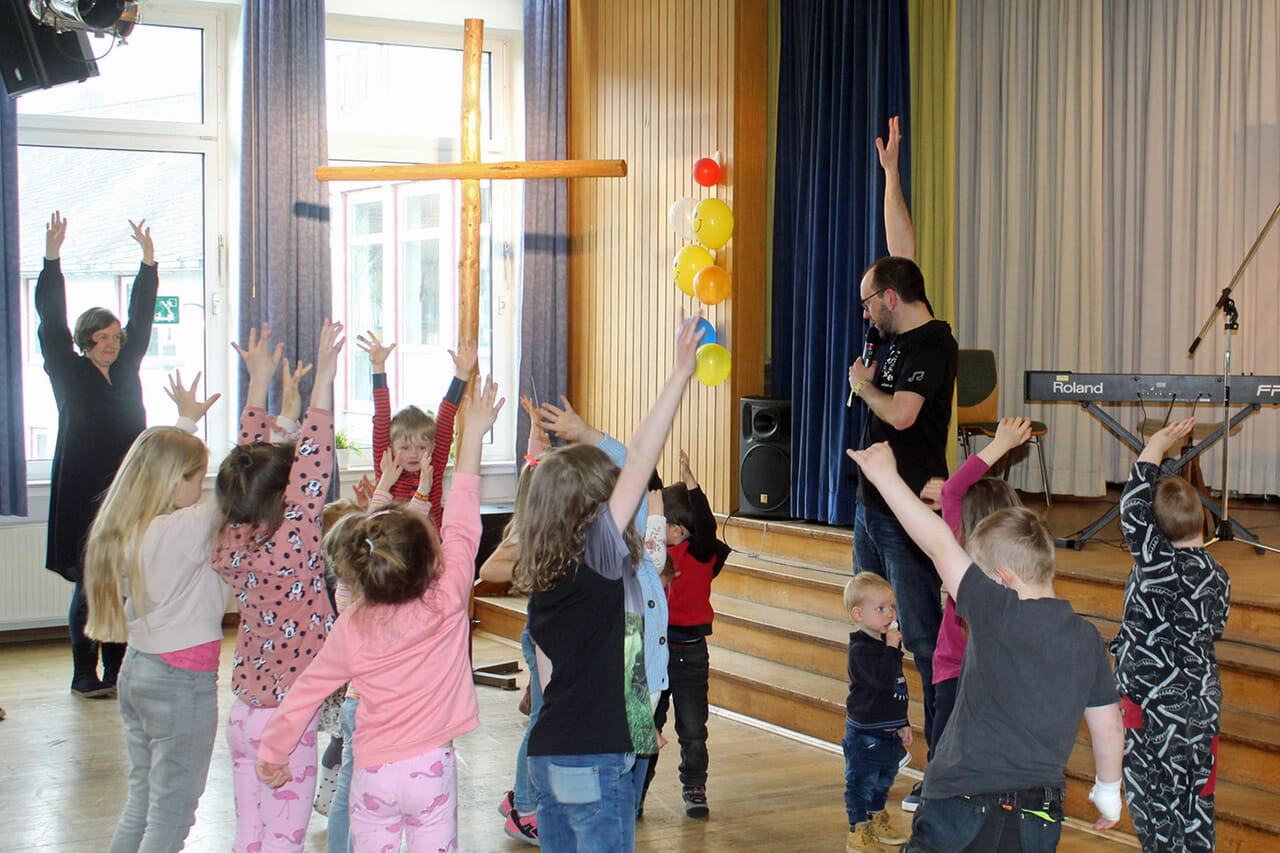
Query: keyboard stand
[1169,466]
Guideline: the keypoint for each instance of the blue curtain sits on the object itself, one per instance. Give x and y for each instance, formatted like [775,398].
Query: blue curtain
[842,74]
[13,459]
[544,321]
[284,210]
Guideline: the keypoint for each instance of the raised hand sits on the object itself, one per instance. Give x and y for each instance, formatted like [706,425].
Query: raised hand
[54,233]
[536,432]
[888,151]
[1012,432]
[877,462]
[1170,436]
[464,359]
[290,394]
[143,237]
[686,473]
[331,342]
[687,343]
[260,361]
[378,352]
[185,398]
[482,408]
[566,423]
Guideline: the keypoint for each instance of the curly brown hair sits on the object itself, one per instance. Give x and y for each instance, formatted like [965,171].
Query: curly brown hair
[568,487]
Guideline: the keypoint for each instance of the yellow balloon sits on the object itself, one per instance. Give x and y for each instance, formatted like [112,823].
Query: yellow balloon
[712,223]
[711,285]
[686,264]
[713,364]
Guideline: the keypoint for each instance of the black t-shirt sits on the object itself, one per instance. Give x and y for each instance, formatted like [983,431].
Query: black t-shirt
[877,688]
[1030,670]
[923,361]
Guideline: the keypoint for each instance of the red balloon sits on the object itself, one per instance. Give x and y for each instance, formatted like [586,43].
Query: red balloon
[706,172]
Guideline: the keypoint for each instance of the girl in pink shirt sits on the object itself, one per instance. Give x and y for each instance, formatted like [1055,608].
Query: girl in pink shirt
[270,499]
[403,647]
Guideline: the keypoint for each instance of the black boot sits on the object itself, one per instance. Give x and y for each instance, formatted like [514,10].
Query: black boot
[84,652]
[112,658]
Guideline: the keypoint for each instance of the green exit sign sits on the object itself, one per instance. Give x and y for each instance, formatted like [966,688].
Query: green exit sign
[166,311]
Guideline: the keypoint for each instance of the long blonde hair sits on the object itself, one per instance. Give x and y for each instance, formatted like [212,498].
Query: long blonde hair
[159,459]
[565,493]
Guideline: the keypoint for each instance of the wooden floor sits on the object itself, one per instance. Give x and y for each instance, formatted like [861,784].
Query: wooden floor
[63,769]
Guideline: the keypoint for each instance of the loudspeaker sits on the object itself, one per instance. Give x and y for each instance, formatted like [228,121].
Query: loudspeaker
[36,56]
[764,458]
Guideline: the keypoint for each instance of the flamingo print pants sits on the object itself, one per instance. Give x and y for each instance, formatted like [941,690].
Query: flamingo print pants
[269,820]
[415,797]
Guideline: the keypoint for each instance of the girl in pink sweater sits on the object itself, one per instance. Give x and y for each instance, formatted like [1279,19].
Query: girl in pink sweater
[403,646]
[270,500]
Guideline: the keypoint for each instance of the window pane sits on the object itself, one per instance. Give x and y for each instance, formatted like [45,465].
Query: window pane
[100,259]
[128,85]
[422,211]
[422,292]
[402,90]
[366,218]
[366,308]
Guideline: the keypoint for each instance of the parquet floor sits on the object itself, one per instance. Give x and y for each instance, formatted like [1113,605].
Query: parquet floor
[63,768]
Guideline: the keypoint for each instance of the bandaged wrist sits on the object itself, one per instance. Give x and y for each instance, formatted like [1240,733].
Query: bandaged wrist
[1106,796]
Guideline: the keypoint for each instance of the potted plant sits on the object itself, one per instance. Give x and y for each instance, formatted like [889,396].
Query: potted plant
[346,448]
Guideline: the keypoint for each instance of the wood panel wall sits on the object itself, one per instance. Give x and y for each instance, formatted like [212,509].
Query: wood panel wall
[661,83]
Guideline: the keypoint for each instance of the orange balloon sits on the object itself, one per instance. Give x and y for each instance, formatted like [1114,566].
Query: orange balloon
[711,285]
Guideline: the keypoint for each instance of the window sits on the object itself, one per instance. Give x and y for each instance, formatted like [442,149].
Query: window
[395,244]
[135,144]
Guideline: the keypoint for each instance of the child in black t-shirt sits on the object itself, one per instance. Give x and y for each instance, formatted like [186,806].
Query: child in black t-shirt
[1032,669]
[876,721]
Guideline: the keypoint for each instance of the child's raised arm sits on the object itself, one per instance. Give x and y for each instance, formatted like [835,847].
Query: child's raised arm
[370,343]
[1010,433]
[651,434]
[483,407]
[190,409]
[929,532]
[260,361]
[1160,442]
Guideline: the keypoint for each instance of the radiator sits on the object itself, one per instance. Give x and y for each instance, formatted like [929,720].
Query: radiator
[31,596]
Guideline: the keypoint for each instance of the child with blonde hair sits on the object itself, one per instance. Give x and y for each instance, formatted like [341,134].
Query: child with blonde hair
[403,646]
[148,581]
[578,555]
[270,500]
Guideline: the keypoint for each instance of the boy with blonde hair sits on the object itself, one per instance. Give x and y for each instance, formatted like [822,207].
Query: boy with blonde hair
[876,724]
[1031,670]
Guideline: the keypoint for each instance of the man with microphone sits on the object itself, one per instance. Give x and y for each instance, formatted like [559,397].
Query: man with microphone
[906,377]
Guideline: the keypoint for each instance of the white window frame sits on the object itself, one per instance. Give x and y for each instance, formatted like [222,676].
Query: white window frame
[208,138]
[506,143]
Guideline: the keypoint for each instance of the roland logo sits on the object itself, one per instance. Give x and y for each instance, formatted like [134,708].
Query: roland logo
[1068,387]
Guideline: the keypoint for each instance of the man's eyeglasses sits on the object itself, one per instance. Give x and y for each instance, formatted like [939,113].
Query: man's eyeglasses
[872,296]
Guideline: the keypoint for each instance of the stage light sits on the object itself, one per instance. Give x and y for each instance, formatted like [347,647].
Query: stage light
[103,17]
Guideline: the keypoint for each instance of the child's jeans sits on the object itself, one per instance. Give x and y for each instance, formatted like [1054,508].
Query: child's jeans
[526,798]
[689,670]
[170,723]
[269,820]
[416,796]
[870,765]
[339,831]
[586,803]
[1028,821]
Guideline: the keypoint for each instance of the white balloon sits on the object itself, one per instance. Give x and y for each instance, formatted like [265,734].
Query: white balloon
[681,216]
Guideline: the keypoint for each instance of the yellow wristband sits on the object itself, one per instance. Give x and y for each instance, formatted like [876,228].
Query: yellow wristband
[858,387]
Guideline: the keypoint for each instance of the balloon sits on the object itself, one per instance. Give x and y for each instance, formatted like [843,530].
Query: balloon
[713,364]
[686,263]
[706,172]
[680,215]
[712,223]
[708,331]
[711,285]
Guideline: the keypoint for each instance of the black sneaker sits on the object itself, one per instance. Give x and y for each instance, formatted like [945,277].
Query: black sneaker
[695,801]
[911,801]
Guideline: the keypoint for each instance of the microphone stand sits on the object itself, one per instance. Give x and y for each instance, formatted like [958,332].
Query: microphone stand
[1231,322]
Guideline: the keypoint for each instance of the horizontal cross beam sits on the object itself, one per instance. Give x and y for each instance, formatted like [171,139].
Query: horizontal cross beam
[509,170]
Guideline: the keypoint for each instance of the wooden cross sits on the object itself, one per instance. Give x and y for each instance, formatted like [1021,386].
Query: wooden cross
[471,171]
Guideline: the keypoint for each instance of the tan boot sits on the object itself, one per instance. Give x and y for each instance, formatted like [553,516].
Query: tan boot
[862,840]
[883,829]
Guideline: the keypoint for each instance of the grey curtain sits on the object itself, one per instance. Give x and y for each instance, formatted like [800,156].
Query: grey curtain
[284,210]
[544,316]
[13,459]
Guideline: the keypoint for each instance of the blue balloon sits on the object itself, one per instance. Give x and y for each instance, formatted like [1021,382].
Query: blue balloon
[708,332]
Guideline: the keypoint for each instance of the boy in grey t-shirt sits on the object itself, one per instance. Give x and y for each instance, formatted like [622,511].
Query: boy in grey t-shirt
[1032,669]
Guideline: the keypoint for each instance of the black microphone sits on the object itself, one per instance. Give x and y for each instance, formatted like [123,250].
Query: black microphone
[869,347]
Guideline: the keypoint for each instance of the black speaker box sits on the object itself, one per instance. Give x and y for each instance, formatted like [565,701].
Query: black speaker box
[764,458]
[36,56]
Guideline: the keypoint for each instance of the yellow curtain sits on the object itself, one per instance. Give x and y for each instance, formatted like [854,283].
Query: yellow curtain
[932,25]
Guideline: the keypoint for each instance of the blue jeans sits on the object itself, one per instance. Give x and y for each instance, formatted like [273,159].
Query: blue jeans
[338,837]
[880,545]
[586,803]
[170,724]
[870,765]
[958,824]
[526,798]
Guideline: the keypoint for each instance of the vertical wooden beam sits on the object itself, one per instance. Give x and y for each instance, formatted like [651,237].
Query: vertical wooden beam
[469,257]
